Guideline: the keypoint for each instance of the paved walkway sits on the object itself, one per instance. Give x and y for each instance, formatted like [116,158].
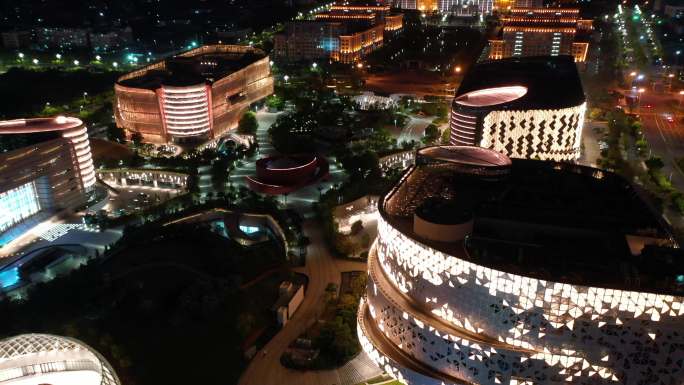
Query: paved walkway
[321,268]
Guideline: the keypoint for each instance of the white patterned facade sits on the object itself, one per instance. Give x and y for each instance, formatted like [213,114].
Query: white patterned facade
[529,134]
[50,359]
[433,318]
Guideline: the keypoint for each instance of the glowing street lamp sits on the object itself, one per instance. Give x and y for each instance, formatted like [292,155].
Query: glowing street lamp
[35,61]
[314,65]
[115,64]
[76,62]
[286,78]
[457,69]
[98,57]
[633,74]
[58,56]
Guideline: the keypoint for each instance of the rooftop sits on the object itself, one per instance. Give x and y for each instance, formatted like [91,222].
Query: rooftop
[541,76]
[206,64]
[547,220]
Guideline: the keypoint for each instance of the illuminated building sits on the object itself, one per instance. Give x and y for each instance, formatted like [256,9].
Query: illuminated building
[45,167]
[197,95]
[278,175]
[48,359]
[490,271]
[346,33]
[466,7]
[346,42]
[530,107]
[307,39]
[541,31]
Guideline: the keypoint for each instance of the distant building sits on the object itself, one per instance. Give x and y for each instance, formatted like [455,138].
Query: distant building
[61,38]
[466,7]
[305,40]
[194,96]
[529,108]
[529,3]
[110,40]
[541,31]
[16,39]
[346,42]
[346,33]
[45,167]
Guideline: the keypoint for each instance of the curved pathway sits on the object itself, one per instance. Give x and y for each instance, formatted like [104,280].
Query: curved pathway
[321,268]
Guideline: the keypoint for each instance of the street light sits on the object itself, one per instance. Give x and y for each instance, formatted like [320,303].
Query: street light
[97,57]
[76,62]
[633,74]
[286,78]
[35,61]
[458,69]
[58,56]
[314,65]
[115,64]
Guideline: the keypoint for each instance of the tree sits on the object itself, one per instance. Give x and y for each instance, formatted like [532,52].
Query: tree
[654,163]
[248,123]
[136,138]
[115,134]
[431,134]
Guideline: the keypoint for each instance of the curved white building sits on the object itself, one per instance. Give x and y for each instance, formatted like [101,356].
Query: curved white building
[45,166]
[529,108]
[31,359]
[525,289]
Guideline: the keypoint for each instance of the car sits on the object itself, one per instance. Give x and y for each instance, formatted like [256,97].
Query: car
[648,106]
[670,118]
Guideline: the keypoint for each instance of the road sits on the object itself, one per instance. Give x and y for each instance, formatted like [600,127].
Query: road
[321,268]
[666,139]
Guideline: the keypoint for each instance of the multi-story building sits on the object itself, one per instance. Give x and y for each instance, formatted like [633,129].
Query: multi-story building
[358,42]
[45,167]
[61,38]
[16,39]
[195,96]
[492,271]
[466,7]
[346,33]
[541,31]
[307,39]
[530,107]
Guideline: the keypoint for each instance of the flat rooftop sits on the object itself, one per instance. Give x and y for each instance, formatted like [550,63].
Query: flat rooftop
[551,82]
[189,69]
[552,221]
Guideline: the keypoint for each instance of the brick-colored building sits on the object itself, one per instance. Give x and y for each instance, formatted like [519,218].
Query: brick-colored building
[541,32]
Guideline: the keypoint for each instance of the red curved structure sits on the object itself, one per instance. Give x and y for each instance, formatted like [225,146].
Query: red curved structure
[283,174]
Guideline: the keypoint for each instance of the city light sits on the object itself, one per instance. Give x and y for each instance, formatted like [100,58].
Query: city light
[458,69]
[21,55]
[633,74]
[314,65]
[115,64]
[76,62]
[58,56]
[97,57]
[35,61]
